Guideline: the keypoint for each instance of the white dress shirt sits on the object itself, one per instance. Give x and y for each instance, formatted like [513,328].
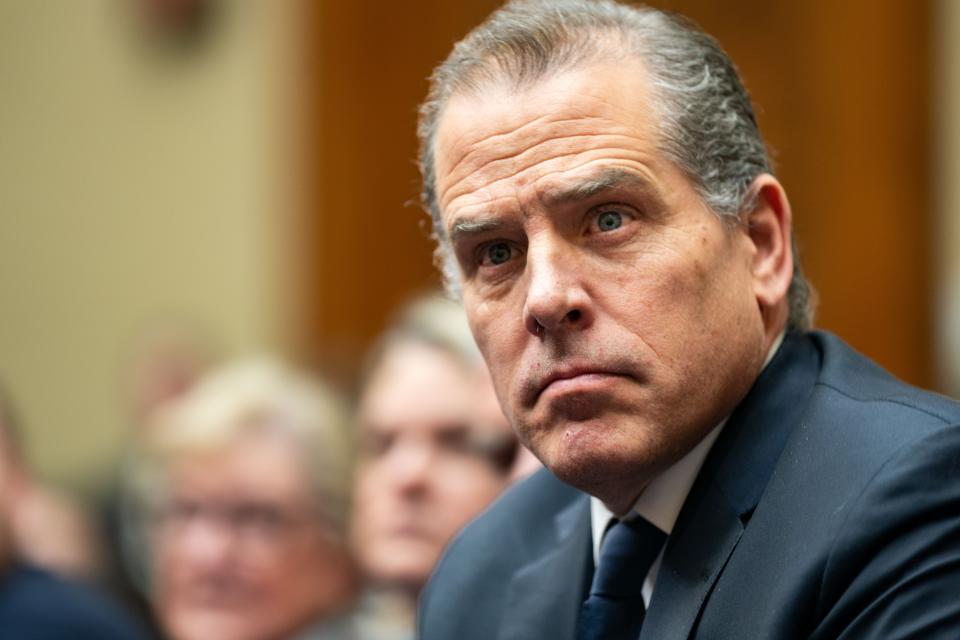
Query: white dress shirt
[661,501]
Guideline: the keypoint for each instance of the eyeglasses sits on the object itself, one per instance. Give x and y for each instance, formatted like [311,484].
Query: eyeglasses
[252,522]
[450,444]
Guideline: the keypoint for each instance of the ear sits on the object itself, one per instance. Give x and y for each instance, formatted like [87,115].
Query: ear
[769,229]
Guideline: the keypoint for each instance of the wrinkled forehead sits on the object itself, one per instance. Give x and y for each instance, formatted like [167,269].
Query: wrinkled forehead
[501,129]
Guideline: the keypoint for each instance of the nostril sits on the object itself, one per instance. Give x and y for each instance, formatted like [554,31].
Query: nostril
[573,315]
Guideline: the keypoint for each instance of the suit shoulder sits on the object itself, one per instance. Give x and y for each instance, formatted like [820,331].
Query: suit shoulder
[541,495]
[466,588]
[534,500]
[860,380]
[899,548]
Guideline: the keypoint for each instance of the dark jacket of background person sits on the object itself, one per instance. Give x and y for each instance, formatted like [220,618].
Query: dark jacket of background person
[35,605]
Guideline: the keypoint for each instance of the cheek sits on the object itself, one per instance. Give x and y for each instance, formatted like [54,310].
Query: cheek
[169,562]
[375,498]
[365,501]
[367,480]
[667,299]
[681,277]
[497,327]
[301,558]
[481,316]
[473,484]
[643,294]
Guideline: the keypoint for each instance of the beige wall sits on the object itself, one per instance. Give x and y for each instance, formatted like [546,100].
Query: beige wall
[948,232]
[135,183]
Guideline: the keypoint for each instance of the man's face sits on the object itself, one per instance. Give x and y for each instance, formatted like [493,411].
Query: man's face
[239,551]
[615,310]
[428,429]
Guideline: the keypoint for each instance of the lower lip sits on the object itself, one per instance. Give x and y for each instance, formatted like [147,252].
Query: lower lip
[580,384]
[407,531]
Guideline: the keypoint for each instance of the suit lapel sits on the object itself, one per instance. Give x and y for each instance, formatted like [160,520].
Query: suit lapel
[544,596]
[691,563]
[728,488]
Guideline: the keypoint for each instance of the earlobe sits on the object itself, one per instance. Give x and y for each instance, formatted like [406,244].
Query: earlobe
[769,229]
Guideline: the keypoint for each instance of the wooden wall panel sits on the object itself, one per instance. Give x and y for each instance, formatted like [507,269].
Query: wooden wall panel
[370,246]
[843,95]
[844,99]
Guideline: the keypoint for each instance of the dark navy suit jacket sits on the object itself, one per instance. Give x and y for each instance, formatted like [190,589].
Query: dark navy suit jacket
[35,605]
[829,507]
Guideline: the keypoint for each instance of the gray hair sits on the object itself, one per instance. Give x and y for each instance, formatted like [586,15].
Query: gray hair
[708,127]
[432,320]
[256,397]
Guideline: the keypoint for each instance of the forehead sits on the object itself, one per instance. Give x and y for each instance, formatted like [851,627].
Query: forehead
[499,137]
[418,387]
[253,466]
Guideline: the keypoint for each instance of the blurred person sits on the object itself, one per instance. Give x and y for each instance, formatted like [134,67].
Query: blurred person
[245,482]
[47,527]
[34,602]
[435,450]
[57,533]
[165,361]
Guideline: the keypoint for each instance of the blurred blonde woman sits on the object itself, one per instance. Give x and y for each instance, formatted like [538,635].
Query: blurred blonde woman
[245,488]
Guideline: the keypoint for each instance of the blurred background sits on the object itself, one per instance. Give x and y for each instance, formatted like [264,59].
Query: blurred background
[189,179]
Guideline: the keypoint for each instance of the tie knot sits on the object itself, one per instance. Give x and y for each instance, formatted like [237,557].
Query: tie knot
[626,554]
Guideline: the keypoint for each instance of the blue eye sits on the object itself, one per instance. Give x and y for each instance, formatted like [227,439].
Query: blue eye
[498,253]
[609,221]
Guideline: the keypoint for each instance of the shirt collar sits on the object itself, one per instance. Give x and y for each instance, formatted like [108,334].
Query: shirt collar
[661,501]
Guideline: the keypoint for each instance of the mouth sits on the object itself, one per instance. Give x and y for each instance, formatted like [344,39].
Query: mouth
[407,531]
[571,380]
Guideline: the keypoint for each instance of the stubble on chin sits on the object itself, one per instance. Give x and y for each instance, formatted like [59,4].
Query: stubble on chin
[601,460]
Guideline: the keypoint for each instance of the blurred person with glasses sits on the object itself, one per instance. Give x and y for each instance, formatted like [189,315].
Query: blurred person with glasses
[244,487]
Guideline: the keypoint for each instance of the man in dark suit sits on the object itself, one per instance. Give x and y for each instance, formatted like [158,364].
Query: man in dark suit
[605,207]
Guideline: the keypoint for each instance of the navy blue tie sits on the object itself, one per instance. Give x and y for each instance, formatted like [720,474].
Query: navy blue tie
[614,609]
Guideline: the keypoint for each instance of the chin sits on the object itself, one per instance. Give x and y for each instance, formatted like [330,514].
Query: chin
[409,578]
[604,461]
[200,625]
[401,569]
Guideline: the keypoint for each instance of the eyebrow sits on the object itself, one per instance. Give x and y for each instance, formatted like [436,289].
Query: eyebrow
[462,228]
[604,181]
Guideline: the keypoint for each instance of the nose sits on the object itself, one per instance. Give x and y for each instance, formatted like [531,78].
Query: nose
[205,544]
[410,466]
[556,301]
